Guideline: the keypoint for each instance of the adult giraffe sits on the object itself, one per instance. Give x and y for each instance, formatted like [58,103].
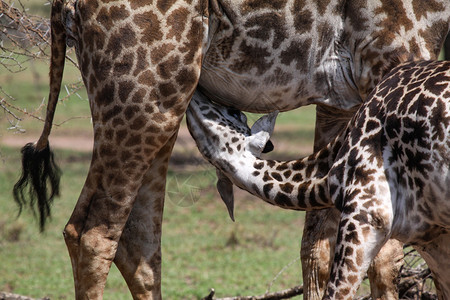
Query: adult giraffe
[141,62]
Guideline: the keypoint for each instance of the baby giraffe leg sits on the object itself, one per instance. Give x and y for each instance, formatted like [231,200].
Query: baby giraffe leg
[357,244]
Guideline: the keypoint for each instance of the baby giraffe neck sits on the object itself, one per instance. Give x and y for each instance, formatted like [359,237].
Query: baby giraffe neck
[297,184]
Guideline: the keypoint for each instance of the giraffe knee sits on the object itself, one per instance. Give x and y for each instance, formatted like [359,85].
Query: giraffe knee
[71,235]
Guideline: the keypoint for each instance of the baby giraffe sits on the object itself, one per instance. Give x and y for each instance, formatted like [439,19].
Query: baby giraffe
[387,172]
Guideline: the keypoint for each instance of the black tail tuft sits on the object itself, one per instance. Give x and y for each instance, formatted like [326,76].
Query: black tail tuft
[38,170]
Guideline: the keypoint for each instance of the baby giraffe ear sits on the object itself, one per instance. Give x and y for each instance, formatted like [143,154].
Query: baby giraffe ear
[225,188]
[261,131]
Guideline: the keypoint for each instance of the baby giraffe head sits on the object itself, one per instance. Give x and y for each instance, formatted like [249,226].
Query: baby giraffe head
[222,135]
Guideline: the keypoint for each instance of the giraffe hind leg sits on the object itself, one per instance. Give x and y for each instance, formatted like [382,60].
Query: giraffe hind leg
[135,114]
[138,255]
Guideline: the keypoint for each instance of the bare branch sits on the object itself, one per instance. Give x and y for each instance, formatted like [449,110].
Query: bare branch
[284,294]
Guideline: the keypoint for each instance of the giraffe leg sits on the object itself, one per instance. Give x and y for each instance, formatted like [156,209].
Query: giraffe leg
[436,253]
[384,270]
[364,227]
[319,238]
[356,246]
[138,256]
[139,79]
[95,227]
[319,234]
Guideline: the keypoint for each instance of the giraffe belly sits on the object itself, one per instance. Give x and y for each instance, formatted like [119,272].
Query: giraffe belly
[281,88]
[249,93]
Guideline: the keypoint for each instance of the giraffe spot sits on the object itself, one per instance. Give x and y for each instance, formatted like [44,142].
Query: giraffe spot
[118,13]
[147,78]
[150,141]
[282,200]
[107,150]
[149,108]
[287,188]
[267,188]
[158,53]
[138,123]
[159,118]
[104,18]
[170,103]
[121,39]
[297,51]
[261,26]
[92,84]
[101,67]
[87,8]
[276,176]
[258,166]
[120,137]
[303,20]
[124,66]
[422,8]
[84,63]
[164,5]
[133,140]
[266,177]
[436,84]
[186,79]
[169,66]
[167,89]
[106,95]
[125,89]
[271,163]
[301,197]
[297,177]
[282,167]
[130,111]
[138,97]
[118,122]
[356,15]
[298,165]
[287,174]
[150,27]
[348,251]
[194,41]
[141,61]
[352,237]
[256,173]
[322,6]
[177,21]
[138,3]
[252,57]
[109,114]
[252,5]
[396,16]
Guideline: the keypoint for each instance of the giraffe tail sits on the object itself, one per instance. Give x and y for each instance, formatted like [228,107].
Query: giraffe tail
[40,175]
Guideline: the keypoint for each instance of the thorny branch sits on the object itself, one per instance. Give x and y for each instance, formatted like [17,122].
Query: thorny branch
[24,38]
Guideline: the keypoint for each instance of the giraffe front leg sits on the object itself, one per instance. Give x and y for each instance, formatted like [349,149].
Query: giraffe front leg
[138,256]
[317,247]
[360,237]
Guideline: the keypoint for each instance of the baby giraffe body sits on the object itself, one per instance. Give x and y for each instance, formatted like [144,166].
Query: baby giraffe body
[387,172]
